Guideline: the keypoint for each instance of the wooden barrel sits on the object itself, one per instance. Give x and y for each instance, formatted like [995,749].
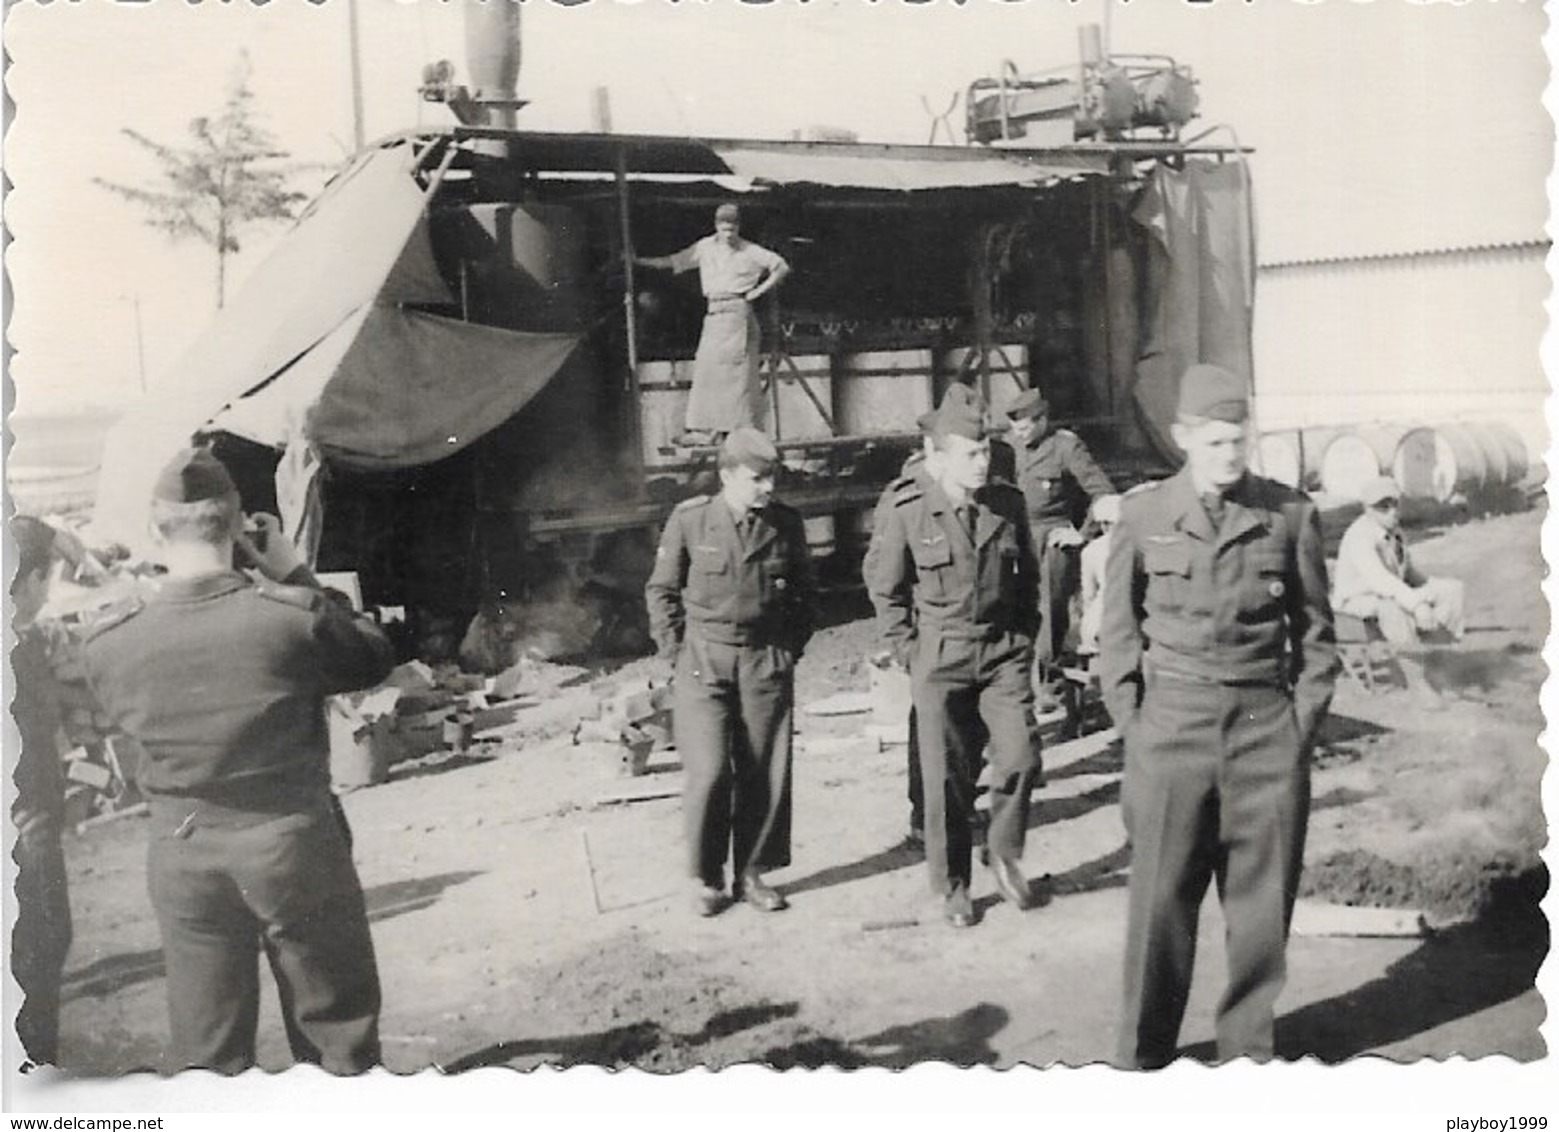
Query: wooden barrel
[1461,468]
[882,391]
[1007,363]
[799,415]
[1413,465]
[663,394]
[1312,443]
[1277,457]
[1503,450]
[820,535]
[1357,456]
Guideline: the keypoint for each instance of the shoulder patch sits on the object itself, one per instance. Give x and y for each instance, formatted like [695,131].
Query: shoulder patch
[905,490]
[110,617]
[299,597]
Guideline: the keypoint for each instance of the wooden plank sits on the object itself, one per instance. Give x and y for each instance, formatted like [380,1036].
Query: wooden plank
[640,790]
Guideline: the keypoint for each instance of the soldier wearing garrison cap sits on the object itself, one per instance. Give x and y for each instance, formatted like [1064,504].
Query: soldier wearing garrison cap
[1059,478]
[730,599]
[734,274]
[952,575]
[1217,660]
[917,469]
[222,679]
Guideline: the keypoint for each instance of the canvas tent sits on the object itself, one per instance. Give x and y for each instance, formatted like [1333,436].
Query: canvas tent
[326,336]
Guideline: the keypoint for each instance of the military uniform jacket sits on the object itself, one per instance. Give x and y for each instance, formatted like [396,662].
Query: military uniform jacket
[1051,470]
[222,680]
[708,580]
[925,574]
[1245,604]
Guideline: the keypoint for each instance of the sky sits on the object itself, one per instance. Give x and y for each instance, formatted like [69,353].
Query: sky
[1377,126]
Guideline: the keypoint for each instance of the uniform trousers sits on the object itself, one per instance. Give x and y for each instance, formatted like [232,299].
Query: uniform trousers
[732,706]
[40,941]
[228,884]
[961,686]
[1216,787]
[1060,580]
[1446,598]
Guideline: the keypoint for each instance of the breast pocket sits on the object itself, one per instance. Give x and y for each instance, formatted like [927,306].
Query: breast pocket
[709,575]
[933,565]
[1168,567]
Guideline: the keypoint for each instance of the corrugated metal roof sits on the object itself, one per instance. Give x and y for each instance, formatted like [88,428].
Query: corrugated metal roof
[846,167]
[857,165]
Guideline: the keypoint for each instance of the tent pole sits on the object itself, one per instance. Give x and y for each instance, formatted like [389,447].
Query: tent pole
[630,321]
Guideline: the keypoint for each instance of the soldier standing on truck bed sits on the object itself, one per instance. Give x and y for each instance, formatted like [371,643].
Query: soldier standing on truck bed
[734,274]
[953,578]
[1217,660]
[730,598]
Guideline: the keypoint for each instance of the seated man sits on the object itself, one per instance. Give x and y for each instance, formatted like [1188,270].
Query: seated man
[1105,511]
[1376,578]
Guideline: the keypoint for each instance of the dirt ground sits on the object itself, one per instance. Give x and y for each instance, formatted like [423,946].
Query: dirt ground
[519,921]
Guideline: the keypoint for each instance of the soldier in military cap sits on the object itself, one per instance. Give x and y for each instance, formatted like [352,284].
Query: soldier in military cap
[953,577]
[917,469]
[730,599]
[222,679]
[1056,473]
[1217,661]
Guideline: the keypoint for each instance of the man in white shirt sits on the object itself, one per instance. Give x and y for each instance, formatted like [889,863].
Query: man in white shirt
[1376,579]
[734,273]
[1106,510]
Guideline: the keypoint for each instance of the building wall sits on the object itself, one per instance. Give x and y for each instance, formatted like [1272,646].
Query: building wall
[1424,339]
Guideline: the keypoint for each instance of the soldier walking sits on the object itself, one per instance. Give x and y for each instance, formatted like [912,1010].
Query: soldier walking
[222,680]
[1217,660]
[730,598]
[953,578]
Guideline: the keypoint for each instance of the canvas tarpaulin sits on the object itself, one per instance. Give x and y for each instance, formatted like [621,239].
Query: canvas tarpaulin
[364,239]
[1202,271]
[393,388]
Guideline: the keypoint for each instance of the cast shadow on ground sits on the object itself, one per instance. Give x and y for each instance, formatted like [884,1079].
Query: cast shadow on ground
[900,856]
[1451,975]
[1111,760]
[1473,670]
[112,974]
[1101,873]
[962,1039]
[1046,811]
[386,901]
[623,1045]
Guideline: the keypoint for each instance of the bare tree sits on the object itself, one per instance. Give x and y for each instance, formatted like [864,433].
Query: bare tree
[231,176]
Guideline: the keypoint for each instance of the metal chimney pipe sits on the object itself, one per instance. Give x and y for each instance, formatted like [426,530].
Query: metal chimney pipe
[493,54]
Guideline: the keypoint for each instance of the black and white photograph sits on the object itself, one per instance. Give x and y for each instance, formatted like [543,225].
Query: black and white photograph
[696,542]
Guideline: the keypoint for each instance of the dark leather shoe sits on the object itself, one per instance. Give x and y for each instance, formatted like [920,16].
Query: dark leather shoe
[761,896]
[708,900]
[1011,883]
[958,909]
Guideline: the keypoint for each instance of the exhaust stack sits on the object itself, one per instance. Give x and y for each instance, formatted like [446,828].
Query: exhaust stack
[493,57]
[492,33]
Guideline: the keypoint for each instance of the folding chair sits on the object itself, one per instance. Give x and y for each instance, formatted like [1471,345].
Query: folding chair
[1367,657]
